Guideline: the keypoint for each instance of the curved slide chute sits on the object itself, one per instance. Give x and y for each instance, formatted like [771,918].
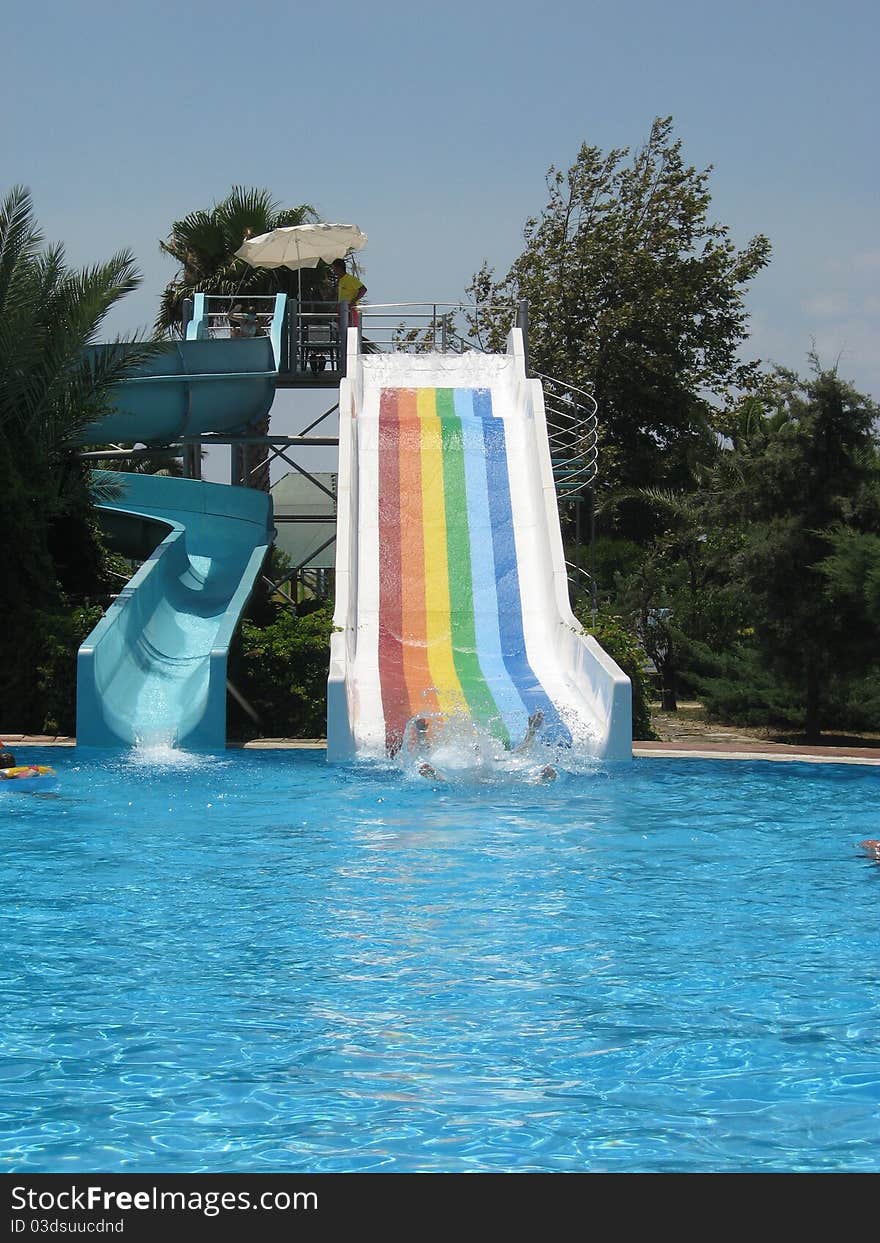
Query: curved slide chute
[154,668]
[189,388]
[452,593]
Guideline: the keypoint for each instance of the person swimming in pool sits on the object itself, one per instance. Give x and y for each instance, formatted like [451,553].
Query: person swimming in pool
[871,848]
[10,771]
[426,769]
[536,720]
[421,746]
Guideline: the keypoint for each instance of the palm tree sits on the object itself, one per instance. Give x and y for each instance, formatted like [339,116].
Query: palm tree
[52,386]
[204,244]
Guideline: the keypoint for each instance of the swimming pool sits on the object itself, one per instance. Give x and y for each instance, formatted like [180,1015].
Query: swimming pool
[256,962]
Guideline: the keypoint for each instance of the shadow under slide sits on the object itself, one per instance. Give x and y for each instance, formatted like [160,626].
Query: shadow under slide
[452,594]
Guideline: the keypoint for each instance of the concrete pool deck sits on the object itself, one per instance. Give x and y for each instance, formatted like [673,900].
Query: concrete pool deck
[740,750]
[679,749]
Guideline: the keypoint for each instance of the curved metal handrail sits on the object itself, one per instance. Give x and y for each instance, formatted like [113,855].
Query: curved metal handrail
[573,430]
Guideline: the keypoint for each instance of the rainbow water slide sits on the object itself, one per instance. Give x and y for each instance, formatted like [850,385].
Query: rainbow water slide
[452,594]
[154,668]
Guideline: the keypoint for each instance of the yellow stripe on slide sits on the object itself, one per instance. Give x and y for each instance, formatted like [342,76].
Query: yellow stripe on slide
[438,622]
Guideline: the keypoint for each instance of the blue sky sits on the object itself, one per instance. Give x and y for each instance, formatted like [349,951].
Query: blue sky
[432,127]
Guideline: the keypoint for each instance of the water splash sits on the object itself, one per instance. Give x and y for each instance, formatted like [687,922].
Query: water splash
[161,751]
[457,750]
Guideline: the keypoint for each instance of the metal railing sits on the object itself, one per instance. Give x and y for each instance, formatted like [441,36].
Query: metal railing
[313,346]
[308,337]
[422,327]
[230,316]
[314,338]
[579,577]
[573,431]
[313,335]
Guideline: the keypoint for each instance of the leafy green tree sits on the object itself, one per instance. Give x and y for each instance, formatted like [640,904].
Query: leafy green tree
[760,588]
[204,244]
[634,293]
[51,388]
[794,505]
[677,591]
[852,576]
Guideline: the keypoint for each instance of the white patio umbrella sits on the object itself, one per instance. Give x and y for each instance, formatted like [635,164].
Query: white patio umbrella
[301,246]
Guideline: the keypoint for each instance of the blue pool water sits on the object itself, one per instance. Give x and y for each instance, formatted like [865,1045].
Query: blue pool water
[254,962]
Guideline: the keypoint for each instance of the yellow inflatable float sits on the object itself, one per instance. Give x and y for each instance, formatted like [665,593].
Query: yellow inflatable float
[10,771]
[26,770]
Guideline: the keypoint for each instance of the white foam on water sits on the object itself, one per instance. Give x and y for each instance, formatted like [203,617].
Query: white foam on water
[160,752]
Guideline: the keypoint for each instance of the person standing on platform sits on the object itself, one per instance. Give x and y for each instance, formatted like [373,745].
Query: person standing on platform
[348,289]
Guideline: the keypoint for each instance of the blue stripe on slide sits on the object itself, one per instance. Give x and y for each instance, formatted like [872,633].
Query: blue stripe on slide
[488,637]
[507,585]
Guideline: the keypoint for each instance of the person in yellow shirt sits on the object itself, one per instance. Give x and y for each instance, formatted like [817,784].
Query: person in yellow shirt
[348,289]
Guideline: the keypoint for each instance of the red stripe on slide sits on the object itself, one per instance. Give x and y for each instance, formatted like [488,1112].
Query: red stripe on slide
[395,698]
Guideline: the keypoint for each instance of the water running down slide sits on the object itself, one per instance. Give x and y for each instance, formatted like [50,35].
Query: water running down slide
[452,595]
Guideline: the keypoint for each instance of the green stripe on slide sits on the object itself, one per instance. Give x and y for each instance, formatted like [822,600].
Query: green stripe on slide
[479,697]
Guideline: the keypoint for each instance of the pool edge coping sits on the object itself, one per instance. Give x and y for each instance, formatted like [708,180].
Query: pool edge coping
[774,752]
[831,755]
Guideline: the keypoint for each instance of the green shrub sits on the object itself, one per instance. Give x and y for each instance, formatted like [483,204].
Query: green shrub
[56,667]
[39,684]
[281,669]
[855,705]
[623,647]
[736,687]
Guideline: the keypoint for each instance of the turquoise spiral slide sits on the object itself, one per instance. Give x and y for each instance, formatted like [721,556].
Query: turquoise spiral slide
[154,668]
